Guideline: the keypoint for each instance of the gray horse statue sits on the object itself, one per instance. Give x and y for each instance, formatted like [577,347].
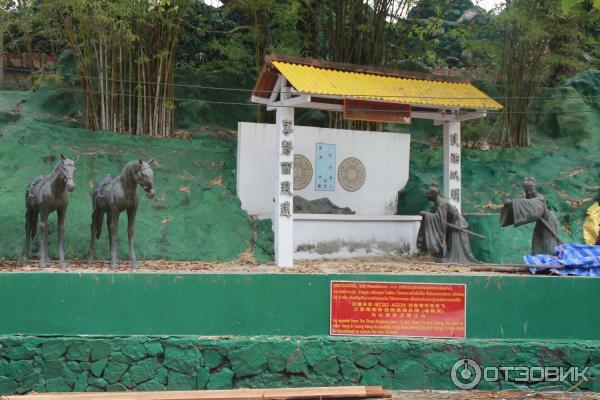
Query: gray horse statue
[114,195]
[46,194]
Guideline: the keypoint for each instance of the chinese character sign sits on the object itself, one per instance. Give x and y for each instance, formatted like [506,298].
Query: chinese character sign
[398,309]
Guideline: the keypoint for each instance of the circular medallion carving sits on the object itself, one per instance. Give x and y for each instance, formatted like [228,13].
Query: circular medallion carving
[303,172]
[352,174]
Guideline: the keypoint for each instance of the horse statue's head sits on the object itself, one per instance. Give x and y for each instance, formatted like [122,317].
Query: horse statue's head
[66,171]
[144,176]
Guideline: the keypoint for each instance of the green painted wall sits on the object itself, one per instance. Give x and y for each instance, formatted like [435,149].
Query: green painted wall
[63,364]
[274,304]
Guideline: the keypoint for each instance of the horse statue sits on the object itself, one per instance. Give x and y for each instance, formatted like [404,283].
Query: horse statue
[46,194]
[114,195]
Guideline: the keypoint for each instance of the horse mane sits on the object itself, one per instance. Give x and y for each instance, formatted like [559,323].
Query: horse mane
[130,166]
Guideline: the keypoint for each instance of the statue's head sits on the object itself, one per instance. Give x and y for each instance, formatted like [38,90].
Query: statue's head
[66,171]
[432,192]
[530,187]
[144,176]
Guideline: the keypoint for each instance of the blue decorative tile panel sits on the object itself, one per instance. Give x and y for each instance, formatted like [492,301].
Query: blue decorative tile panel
[325,167]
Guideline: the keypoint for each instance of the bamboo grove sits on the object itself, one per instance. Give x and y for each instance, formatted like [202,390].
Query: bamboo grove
[123,52]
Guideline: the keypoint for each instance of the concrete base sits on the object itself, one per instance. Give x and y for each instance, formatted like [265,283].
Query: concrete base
[346,236]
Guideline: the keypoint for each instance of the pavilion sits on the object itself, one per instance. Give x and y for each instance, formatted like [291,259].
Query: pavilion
[361,93]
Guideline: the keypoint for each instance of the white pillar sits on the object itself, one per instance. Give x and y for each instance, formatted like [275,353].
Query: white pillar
[452,160]
[283,217]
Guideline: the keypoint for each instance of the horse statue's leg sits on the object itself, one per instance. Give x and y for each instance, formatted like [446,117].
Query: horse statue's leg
[130,235]
[113,229]
[61,214]
[96,229]
[31,219]
[44,257]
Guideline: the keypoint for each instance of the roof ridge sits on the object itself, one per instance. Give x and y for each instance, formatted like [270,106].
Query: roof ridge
[384,71]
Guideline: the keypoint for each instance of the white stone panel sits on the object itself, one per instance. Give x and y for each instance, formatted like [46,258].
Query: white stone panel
[384,155]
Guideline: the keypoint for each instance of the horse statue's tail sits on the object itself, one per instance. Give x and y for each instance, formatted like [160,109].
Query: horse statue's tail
[98,220]
[31,218]
[97,214]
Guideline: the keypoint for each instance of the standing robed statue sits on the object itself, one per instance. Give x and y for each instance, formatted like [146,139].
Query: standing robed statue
[533,208]
[443,233]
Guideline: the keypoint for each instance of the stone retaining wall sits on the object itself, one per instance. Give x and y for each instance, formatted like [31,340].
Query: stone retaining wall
[63,364]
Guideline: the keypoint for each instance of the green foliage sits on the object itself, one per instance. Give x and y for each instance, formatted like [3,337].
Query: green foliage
[569,5]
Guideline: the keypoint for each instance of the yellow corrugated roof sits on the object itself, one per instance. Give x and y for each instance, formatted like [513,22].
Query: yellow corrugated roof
[325,81]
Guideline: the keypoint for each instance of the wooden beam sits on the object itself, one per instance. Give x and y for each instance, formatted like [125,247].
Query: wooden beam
[259,100]
[291,102]
[341,392]
[413,105]
[438,116]
[471,115]
[276,88]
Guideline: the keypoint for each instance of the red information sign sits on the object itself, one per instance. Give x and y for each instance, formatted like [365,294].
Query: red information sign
[398,309]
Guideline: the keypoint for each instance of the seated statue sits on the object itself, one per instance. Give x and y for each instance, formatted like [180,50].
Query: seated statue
[318,206]
[443,233]
[532,208]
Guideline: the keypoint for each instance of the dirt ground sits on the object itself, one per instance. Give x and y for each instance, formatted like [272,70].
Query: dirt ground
[349,266]
[476,395]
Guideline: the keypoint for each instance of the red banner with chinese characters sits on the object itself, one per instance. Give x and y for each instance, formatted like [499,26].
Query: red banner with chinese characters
[377,111]
[398,309]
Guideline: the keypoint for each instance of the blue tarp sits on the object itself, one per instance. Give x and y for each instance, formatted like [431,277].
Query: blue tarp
[580,259]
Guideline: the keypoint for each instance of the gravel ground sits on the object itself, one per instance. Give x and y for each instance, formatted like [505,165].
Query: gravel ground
[421,265]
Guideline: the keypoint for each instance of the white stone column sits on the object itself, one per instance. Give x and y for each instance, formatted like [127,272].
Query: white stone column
[452,160]
[283,218]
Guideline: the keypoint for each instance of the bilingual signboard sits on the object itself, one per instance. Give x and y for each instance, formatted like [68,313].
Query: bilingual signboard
[398,309]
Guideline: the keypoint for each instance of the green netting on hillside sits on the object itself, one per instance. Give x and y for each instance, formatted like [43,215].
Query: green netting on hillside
[565,163]
[568,177]
[197,216]
[194,216]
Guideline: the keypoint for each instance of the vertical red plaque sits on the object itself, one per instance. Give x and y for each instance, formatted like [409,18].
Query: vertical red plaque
[398,309]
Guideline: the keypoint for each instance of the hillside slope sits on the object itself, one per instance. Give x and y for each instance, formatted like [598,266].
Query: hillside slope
[197,216]
[194,216]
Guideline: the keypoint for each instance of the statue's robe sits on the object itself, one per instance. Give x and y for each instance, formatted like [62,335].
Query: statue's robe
[524,211]
[437,238]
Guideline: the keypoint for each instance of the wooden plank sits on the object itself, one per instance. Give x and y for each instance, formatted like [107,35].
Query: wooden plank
[347,392]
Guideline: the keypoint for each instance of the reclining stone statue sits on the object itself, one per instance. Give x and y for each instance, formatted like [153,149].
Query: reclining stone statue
[443,233]
[318,206]
[532,208]
[46,194]
[114,195]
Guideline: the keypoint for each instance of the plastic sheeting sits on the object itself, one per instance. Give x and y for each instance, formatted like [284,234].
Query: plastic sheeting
[580,260]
